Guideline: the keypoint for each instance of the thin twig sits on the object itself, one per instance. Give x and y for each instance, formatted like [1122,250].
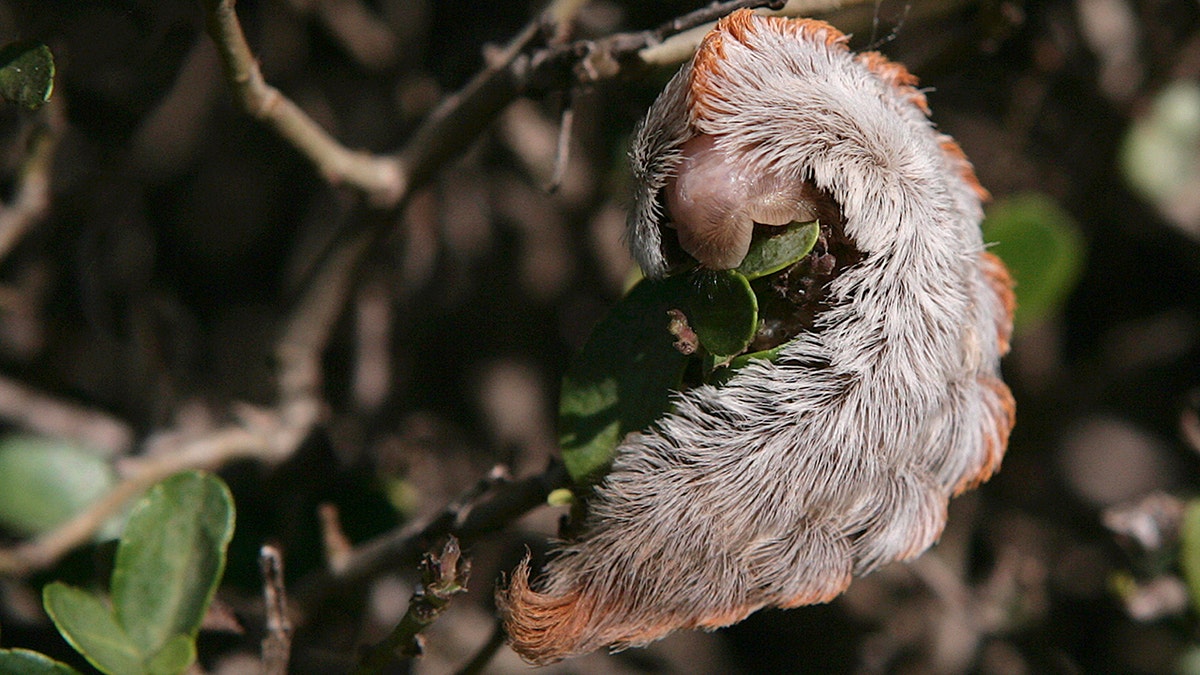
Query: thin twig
[277,645]
[338,548]
[442,578]
[461,117]
[269,436]
[402,547]
[468,517]
[1189,424]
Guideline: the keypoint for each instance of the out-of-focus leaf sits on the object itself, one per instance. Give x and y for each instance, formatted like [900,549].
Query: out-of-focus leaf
[623,379]
[1189,662]
[171,558]
[1189,550]
[26,662]
[43,482]
[723,311]
[1042,248]
[768,255]
[26,73]
[1160,154]
[89,626]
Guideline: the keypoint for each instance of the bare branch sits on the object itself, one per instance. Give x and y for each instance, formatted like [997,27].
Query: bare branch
[277,646]
[383,179]
[677,39]
[458,120]
[468,517]
[562,152]
[49,416]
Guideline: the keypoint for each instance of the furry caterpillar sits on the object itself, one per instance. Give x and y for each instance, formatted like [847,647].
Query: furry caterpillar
[840,456]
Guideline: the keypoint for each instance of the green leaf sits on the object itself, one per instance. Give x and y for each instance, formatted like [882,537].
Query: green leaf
[89,626]
[26,662]
[625,376]
[176,655]
[171,558]
[623,379]
[1160,155]
[1043,249]
[1189,550]
[768,255]
[723,311]
[43,482]
[26,73]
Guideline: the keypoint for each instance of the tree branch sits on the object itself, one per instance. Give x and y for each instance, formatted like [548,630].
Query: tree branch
[382,179]
[442,577]
[468,517]
[48,416]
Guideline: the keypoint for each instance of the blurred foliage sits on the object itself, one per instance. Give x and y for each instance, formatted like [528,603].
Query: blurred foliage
[1189,551]
[1043,249]
[44,481]
[1160,155]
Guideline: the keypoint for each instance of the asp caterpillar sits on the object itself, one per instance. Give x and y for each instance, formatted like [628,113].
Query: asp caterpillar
[779,486]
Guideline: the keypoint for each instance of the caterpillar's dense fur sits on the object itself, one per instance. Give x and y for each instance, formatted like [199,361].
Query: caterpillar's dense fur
[777,487]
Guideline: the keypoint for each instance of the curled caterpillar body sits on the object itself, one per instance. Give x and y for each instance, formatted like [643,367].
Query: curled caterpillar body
[778,486]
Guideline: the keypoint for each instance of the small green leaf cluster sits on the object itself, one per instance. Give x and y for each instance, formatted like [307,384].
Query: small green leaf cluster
[169,562]
[636,358]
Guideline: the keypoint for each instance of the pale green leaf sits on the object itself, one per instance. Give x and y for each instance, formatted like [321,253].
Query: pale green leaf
[43,482]
[1189,550]
[1160,155]
[26,662]
[171,557]
[89,626]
